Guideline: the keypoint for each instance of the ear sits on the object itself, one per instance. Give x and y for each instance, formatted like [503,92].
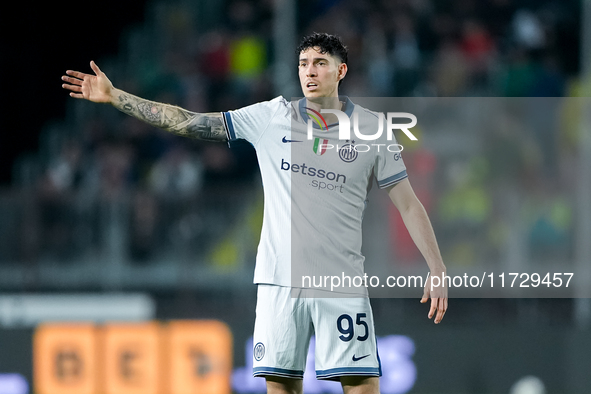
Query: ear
[342,71]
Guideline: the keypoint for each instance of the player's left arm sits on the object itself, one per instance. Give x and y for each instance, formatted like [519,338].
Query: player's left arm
[420,229]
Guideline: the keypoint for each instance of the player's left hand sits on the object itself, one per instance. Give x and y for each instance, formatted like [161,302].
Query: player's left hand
[96,88]
[438,298]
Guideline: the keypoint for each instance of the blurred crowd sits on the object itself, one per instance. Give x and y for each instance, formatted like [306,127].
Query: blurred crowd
[207,57]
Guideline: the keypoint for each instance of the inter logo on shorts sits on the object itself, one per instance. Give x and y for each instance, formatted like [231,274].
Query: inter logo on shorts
[259,351]
[348,153]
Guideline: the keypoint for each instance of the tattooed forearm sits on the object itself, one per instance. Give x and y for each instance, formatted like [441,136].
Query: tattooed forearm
[173,119]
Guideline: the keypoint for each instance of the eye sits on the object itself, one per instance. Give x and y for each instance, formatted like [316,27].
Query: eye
[302,64]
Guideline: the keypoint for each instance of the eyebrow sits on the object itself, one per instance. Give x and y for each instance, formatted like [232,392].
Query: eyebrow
[314,59]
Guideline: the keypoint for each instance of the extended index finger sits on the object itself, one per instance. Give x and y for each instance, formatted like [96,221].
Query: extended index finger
[76,74]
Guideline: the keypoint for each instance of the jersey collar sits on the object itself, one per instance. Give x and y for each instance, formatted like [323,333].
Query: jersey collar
[348,108]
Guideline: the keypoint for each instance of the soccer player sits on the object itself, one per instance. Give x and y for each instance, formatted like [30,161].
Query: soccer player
[303,180]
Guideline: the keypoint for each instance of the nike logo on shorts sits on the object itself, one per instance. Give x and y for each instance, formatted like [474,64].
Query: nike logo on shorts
[360,358]
[285,140]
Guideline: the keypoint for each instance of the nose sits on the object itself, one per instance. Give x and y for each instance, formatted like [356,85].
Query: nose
[311,71]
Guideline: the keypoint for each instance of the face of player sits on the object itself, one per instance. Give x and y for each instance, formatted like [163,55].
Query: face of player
[320,73]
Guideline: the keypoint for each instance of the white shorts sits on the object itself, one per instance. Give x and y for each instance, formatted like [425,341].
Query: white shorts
[345,335]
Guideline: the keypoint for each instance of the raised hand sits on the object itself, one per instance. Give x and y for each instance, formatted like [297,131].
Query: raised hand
[96,88]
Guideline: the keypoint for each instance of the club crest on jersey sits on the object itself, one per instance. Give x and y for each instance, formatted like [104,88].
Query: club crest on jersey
[348,153]
[259,351]
[319,146]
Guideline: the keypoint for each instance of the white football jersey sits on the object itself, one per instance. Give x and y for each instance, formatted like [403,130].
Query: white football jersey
[315,189]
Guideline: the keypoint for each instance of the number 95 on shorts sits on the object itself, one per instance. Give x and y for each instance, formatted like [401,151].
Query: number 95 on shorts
[344,329]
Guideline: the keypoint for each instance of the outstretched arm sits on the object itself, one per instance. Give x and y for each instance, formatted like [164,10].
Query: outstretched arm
[419,227]
[99,89]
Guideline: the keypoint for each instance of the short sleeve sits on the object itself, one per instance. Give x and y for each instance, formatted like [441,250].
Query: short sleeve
[389,167]
[250,122]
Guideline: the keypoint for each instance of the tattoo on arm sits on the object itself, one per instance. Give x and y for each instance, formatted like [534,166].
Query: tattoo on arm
[176,120]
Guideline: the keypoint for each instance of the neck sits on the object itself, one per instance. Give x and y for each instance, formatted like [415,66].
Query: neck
[324,103]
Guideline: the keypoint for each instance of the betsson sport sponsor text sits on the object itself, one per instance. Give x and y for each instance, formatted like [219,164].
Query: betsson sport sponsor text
[337,185]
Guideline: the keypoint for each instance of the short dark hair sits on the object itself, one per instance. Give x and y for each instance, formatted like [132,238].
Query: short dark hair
[328,44]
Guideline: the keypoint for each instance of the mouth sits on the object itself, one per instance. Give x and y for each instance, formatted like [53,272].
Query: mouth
[311,85]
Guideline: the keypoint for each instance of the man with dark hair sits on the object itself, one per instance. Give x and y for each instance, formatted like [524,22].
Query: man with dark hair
[328,45]
[325,229]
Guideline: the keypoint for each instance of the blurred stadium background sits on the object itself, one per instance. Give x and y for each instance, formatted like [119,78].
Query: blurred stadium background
[104,219]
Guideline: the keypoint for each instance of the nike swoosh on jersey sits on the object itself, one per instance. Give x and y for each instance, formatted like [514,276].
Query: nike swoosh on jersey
[285,140]
[360,358]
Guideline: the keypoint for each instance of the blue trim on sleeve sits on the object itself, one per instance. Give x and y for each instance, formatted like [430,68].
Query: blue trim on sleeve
[289,373]
[348,371]
[392,179]
[229,126]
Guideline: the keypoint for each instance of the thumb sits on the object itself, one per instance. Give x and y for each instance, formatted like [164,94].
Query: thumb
[95,68]
[425,296]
